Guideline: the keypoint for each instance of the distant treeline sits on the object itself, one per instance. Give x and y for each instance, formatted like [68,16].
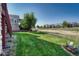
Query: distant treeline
[65,24]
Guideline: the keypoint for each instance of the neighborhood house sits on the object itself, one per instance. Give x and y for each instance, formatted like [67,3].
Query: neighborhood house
[14,19]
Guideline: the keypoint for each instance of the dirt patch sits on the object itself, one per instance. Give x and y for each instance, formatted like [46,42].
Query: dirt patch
[62,32]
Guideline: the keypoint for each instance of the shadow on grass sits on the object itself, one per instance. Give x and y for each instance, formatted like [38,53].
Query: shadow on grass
[31,45]
[39,32]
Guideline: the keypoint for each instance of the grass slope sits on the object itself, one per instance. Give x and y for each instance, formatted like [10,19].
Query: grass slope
[39,44]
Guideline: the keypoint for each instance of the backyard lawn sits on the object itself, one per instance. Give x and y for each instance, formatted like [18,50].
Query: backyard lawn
[39,44]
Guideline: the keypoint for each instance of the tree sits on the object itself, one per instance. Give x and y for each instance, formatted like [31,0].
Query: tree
[38,26]
[65,24]
[75,24]
[33,20]
[28,22]
[44,26]
[58,26]
[50,26]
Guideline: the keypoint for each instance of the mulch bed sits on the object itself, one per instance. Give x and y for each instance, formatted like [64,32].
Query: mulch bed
[68,51]
[72,51]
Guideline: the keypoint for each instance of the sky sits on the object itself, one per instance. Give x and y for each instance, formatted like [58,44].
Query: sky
[47,13]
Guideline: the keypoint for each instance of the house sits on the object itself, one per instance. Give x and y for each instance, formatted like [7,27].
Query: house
[14,19]
[0,30]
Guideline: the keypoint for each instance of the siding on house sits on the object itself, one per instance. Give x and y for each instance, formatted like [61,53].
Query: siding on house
[6,31]
[0,30]
[14,19]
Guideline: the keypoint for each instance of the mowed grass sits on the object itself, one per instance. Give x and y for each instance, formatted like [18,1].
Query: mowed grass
[39,44]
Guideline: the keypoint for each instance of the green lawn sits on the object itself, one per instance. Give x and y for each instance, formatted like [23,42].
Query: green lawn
[39,44]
